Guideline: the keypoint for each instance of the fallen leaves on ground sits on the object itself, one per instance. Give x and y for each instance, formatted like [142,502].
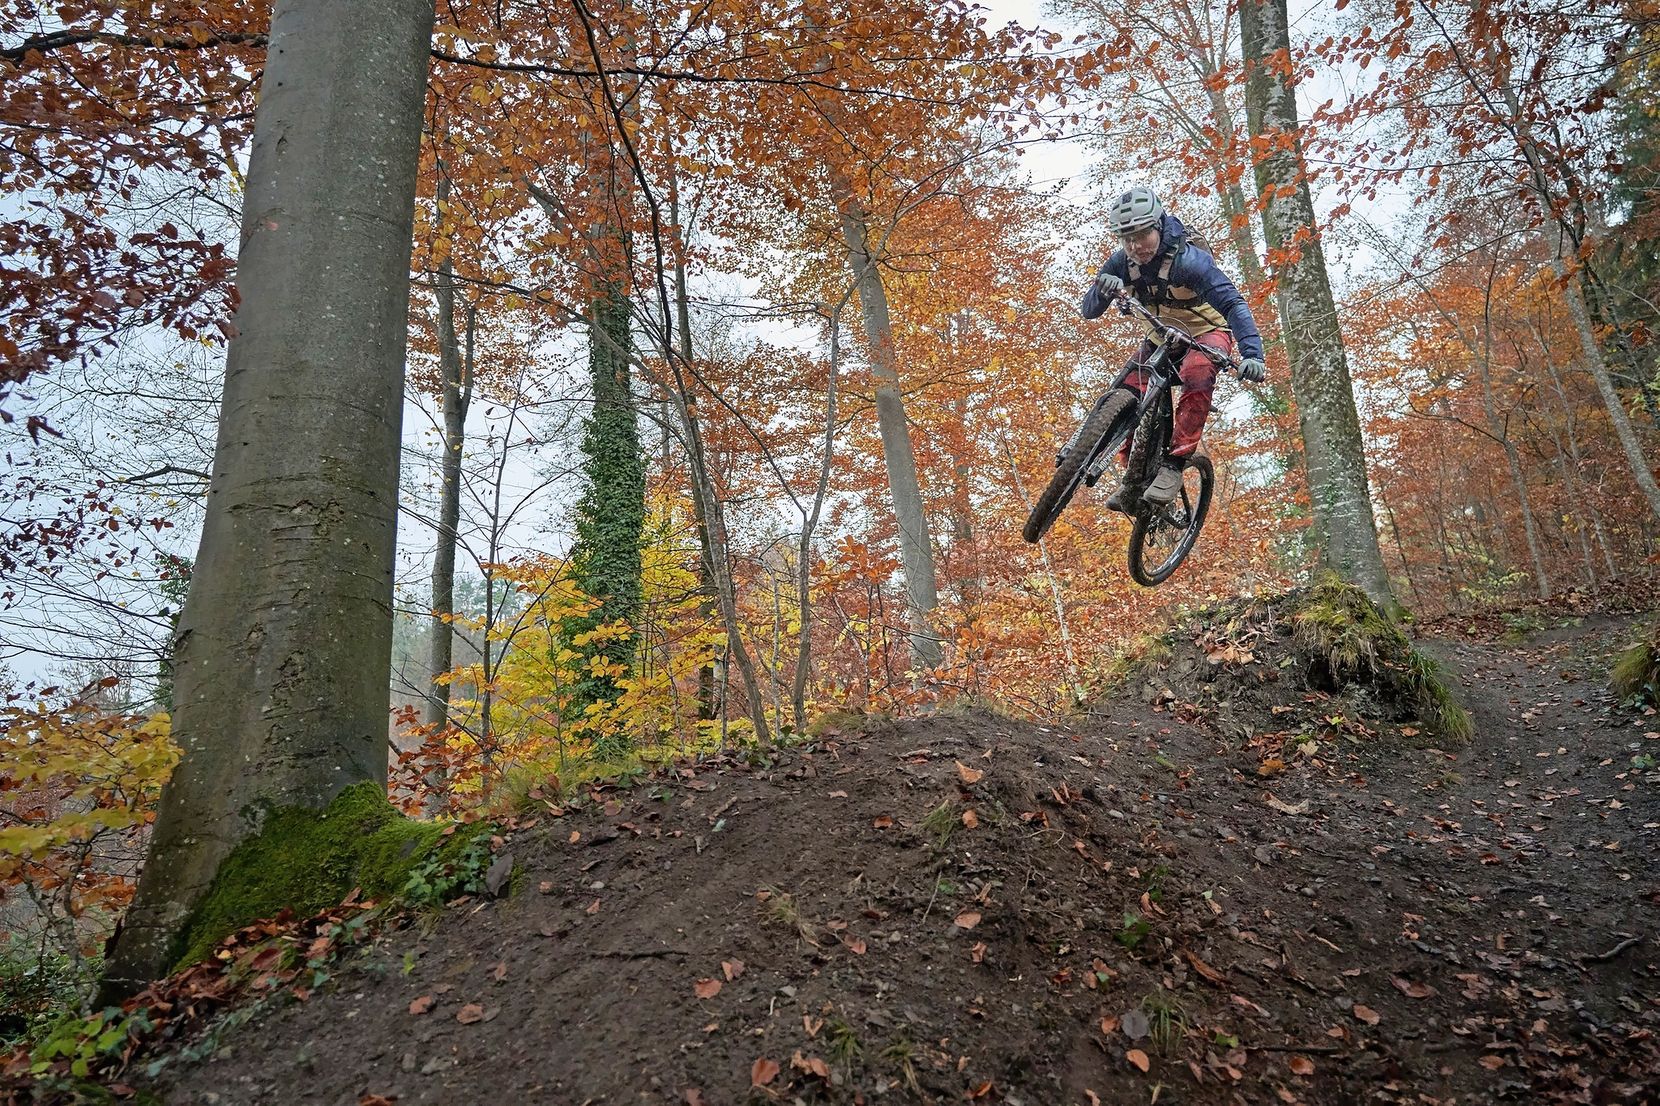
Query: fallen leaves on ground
[732,969]
[968,919]
[1367,1014]
[421,1005]
[762,1072]
[1301,1065]
[707,988]
[969,776]
[1139,1059]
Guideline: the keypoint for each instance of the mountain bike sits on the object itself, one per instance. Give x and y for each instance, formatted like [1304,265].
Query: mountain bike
[1161,536]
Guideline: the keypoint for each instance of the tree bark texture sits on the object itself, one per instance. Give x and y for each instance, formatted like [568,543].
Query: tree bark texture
[1344,526]
[284,647]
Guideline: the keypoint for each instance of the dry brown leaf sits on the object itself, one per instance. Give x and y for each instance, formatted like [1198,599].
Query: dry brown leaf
[971,819]
[1301,1065]
[499,972]
[982,1090]
[968,919]
[470,1014]
[1273,766]
[762,1072]
[1412,989]
[978,952]
[593,907]
[1138,1058]
[811,1025]
[838,794]
[969,776]
[811,1065]
[706,988]
[884,822]
[693,1096]
[545,887]
[1109,1024]
[1094,1099]
[1205,970]
[732,969]
[1492,1063]
[1367,1014]
[855,945]
[421,1005]
[576,835]
[1288,808]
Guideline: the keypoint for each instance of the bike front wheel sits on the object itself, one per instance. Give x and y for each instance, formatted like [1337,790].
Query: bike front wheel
[1163,536]
[1104,428]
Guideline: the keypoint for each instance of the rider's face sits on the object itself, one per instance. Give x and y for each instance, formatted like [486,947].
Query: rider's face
[1142,245]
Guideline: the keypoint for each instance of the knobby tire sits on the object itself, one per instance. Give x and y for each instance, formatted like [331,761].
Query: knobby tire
[1070,472]
[1152,577]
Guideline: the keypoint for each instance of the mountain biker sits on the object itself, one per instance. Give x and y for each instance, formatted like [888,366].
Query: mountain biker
[1179,282]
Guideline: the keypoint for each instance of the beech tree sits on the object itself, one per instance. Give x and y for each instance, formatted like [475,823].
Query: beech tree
[284,646]
[1345,530]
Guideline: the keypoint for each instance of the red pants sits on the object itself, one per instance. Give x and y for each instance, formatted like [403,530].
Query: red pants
[1198,377]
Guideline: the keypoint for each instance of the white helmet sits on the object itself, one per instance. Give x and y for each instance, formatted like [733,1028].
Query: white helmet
[1135,210]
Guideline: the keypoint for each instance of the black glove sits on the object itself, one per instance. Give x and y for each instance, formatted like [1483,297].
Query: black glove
[1253,369]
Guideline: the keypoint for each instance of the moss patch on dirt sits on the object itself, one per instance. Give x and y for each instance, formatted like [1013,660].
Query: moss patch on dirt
[1252,664]
[307,861]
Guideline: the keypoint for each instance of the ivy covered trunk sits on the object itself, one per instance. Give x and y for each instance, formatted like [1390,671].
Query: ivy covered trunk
[1344,527]
[605,562]
[284,647]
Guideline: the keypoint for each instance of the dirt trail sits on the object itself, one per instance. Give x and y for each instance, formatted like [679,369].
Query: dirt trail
[974,908]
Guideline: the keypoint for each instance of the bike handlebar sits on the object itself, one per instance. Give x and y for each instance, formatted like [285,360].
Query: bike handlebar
[1128,305]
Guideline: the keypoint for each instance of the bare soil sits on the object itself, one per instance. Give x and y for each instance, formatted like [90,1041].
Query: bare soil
[1232,898]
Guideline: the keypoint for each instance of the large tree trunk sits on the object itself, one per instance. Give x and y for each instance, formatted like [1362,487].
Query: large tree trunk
[284,647]
[1344,526]
[916,551]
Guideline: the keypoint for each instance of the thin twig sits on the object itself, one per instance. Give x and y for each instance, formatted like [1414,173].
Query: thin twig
[1603,957]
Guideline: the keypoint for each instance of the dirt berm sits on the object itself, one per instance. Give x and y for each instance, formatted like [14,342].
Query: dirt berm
[1285,879]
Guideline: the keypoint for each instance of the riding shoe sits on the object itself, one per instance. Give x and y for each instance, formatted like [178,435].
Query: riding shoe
[1165,485]
[1115,501]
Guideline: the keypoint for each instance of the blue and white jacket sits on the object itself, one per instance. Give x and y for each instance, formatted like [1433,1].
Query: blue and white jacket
[1182,286]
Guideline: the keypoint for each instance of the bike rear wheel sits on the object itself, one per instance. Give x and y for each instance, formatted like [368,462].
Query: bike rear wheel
[1105,427]
[1163,536]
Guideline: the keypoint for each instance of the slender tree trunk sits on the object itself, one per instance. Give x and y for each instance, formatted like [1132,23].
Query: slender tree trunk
[1075,690]
[1586,497]
[1574,294]
[1344,526]
[1495,427]
[706,586]
[809,524]
[1641,473]
[284,648]
[916,553]
[457,367]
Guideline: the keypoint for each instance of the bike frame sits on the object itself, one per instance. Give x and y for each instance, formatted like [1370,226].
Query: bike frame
[1162,371]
